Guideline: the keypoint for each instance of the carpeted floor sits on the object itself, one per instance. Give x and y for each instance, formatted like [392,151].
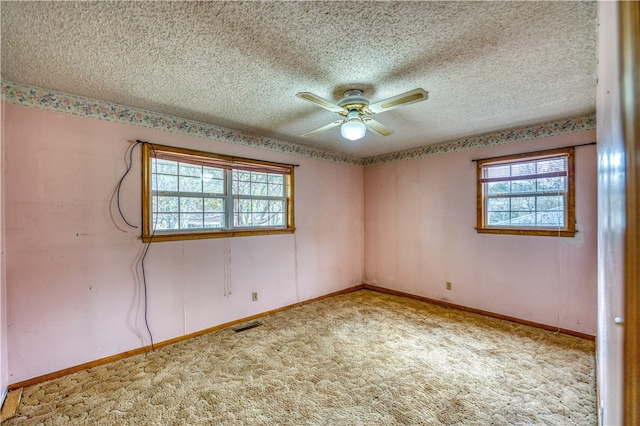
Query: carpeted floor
[362,358]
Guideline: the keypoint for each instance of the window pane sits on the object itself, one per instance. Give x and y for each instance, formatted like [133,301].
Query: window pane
[497,171]
[527,204]
[164,183]
[551,184]
[552,165]
[259,206]
[498,188]
[242,188]
[528,185]
[212,173]
[241,219]
[213,186]
[191,220]
[551,218]
[259,219]
[164,167]
[258,177]
[275,190]
[550,203]
[523,219]
[254,213]
[498,218]
[214,220]
[276,179]
[276,219]
[166,204]
[523,169]
[190,184]
[242,205]
[164,221]
[190,170]
[498,204]
[276,206]
[190,204]
[259,189]
[213,205]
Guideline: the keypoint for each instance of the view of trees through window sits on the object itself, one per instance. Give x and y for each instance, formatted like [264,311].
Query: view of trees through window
[258,199]
[516,195]
[527,194]
[188,194]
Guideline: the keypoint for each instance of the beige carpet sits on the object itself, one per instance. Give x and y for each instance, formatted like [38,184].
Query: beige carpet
[363,358]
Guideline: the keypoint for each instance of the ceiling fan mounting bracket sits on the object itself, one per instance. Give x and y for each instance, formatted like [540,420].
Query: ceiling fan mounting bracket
[352,92]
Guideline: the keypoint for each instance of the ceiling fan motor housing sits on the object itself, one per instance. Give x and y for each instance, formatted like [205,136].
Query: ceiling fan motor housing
[353,100]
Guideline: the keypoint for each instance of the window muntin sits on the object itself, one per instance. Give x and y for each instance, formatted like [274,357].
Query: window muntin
[191,194]
[530,194]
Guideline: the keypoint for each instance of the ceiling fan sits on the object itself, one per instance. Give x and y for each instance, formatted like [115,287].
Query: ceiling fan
[355,110]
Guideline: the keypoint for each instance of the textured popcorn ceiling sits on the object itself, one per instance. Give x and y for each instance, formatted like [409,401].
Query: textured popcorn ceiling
[487,66]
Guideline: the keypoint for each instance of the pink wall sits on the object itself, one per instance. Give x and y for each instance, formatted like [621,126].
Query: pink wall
[72,290]
[73,293]
[4,365]
[419,233]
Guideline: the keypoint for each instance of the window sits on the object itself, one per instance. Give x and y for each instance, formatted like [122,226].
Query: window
[527,194]
[191,194]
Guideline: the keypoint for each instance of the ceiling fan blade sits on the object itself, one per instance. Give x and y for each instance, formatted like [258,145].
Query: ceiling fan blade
[376,126]
[323,128]
[410,97]
[308,96]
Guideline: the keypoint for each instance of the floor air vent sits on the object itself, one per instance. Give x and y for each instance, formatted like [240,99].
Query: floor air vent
[247,326]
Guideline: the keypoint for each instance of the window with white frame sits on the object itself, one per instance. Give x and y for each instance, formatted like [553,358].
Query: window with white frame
[192,194]
[527,194]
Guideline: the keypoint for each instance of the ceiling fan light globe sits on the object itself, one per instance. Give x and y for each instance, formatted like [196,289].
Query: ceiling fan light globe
[353,130]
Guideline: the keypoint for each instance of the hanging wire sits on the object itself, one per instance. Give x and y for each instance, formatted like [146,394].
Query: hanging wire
[144,285]
[146,249]
[122,180]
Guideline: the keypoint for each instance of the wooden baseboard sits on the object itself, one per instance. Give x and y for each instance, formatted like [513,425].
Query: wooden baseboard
[479,311]
[144,349]
[148,348]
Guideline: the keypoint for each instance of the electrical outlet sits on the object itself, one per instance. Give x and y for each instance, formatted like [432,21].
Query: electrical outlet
[254,296]
[448,285]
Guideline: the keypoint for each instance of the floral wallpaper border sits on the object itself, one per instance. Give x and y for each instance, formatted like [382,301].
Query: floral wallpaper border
[544,130]
[34,97]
